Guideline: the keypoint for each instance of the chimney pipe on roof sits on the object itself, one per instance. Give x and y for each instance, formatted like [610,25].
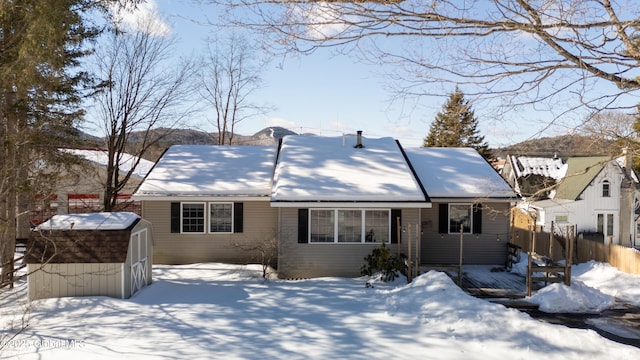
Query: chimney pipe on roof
[359,142]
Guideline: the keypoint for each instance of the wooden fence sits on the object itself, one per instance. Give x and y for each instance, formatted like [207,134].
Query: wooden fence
[623,258]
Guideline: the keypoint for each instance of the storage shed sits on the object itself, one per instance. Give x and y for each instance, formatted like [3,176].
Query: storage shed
[96,254]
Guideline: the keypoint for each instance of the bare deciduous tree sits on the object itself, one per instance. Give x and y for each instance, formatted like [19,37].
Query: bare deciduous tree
[516,52]
[230,76]
[141,91]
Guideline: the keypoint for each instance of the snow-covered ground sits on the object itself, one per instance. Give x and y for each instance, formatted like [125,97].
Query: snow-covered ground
[207,311]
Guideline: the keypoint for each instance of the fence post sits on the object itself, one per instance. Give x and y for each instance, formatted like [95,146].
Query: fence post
[551,238]
[409,258]
[460,260]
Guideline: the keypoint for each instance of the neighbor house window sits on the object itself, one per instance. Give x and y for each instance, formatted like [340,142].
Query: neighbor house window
[192,217]
[349,225]
[221,217]
[460,218]
[606,189]
[84,203]
[605,224]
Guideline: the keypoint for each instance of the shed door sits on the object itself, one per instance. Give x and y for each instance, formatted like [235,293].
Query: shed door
[138,248]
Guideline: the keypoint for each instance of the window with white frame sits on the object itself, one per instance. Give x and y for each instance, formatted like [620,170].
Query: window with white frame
[322,225]
[349,226]
[221,217]
[460,218]
[376,226]
[192,217]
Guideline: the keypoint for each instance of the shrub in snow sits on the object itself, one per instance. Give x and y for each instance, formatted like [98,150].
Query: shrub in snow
[382,261]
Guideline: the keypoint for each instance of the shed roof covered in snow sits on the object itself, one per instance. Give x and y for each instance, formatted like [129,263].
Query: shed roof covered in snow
[90,221]
[210,171]
[457,173]
[334,169]
[82,238]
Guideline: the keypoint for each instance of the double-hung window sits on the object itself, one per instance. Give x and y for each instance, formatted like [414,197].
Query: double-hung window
[460,219]
[192,217]
[220,217]
[606,188]
[349,226]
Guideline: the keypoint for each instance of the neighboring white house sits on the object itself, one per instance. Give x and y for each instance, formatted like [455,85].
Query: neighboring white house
[596,194]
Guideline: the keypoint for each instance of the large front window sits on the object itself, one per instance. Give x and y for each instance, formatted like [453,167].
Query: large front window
[460,218]
[349,225]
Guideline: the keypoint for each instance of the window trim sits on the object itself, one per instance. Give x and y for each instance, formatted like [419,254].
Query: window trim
[208,222]
[363,219]
[204,210]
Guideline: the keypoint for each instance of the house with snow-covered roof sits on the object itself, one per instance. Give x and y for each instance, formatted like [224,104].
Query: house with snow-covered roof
[595,193]
[468,197]
[326,201]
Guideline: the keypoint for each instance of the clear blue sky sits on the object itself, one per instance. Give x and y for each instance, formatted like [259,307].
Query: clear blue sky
[332,95]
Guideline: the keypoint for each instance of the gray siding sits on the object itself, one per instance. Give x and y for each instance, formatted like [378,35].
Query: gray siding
[315,260]
[260,221]
[489,247]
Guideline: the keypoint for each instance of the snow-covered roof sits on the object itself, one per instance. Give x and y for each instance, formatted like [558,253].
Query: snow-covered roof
[101,158]
[553,168]
[90,221]
[457,173]
[210,170]
[331,169]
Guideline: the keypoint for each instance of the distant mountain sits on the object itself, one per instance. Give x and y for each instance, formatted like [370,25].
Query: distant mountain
[563,146]
[266,136]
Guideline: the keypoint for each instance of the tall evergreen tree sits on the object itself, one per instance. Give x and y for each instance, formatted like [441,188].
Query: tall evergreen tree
[41,44]
[456,126]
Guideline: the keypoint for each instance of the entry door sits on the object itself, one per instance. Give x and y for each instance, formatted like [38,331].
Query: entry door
[606,225]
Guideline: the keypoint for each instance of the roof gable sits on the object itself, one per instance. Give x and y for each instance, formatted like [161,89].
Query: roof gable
[331,169]
[457,173]
[211,170]
[580,172]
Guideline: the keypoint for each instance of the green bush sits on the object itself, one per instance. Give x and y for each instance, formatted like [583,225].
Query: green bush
[383,261]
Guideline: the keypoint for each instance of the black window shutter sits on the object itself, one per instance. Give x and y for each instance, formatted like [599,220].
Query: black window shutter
[477,219]
[395,214]
[443,218]
[175,217]
[303,226]
[238,217]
